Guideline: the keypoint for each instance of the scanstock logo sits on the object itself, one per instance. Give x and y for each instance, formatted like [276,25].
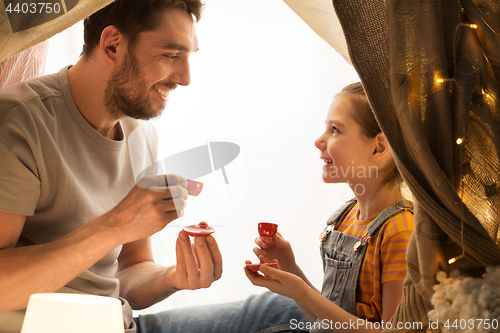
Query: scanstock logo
[26,14]
[196,162]
[217,164]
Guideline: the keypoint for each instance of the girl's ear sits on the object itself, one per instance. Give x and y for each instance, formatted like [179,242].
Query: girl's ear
[111,38]
[380,146]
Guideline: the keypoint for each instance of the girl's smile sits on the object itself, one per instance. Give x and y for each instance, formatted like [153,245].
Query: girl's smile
[344,148]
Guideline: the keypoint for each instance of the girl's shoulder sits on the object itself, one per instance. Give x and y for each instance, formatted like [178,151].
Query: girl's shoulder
[398,224]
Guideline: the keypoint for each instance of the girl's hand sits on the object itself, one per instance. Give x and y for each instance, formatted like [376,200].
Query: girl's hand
[278,281]
[278,248]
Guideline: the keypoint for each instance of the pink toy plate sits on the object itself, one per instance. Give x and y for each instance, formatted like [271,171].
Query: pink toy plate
[196,230]
[255,267]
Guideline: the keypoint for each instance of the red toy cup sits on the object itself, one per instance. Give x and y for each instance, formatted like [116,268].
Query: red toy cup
[267,229]
[193,187]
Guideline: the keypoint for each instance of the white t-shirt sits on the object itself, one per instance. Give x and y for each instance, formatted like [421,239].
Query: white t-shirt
[60,172]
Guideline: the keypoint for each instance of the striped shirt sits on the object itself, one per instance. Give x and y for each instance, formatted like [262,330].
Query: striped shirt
[385,258]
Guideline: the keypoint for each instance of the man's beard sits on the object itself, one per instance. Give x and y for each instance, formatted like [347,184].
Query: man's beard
[124,94]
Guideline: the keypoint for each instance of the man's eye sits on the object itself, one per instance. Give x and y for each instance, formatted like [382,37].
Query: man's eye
[171,56]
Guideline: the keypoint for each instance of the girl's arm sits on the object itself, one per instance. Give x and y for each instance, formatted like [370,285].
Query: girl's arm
[317,306]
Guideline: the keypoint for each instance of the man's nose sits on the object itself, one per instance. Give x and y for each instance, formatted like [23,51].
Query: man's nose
[182,74]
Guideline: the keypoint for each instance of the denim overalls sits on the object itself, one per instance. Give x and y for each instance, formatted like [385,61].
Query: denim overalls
[343,256]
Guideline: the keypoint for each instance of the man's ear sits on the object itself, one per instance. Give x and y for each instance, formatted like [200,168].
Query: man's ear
[380,146]
[111,39]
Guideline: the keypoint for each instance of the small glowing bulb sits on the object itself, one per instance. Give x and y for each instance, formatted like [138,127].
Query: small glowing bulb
[459,141]
[439,80]
[453,260]
[473,26]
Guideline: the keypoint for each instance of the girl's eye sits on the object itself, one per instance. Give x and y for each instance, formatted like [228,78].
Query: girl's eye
[334,129]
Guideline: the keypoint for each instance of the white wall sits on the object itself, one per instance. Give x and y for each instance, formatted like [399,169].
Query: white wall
[263,80]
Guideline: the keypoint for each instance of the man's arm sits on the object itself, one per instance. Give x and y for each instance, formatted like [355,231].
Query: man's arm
[144,283]
[48,267]
[45,267]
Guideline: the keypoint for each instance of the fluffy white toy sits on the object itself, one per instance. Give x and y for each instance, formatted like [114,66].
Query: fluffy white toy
[466,304]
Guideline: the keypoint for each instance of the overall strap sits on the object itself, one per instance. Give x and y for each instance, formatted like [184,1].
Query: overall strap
[342,212]
[375,226]
[337,218]
[387,214]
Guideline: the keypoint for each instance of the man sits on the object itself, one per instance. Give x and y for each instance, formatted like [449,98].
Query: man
[71,215]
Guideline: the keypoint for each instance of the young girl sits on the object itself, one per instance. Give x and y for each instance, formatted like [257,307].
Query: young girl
[364,244]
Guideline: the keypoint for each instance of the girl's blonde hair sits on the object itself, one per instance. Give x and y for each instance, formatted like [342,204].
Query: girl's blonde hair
[364,114]
[366,119]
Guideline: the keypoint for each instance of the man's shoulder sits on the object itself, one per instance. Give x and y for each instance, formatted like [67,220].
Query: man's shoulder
[30,98]
[37,89]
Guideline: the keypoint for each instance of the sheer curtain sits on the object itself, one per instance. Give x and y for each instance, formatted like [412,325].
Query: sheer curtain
[263,80]
[25,65]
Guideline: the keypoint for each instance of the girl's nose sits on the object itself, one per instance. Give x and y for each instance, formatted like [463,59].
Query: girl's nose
[320,143]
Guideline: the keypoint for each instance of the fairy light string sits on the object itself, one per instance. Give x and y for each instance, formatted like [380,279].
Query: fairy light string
[459,141]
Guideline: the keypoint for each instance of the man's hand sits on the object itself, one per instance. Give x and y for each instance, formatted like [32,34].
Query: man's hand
[150,206]
[198,264]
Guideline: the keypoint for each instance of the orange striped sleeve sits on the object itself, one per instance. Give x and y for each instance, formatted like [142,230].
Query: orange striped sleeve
[395,236]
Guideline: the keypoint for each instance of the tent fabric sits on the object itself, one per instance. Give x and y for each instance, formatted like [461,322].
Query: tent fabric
[320,16]
[431,79]
[24,27]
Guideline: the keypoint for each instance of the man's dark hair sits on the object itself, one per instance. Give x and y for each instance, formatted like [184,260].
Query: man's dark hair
[131,17]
